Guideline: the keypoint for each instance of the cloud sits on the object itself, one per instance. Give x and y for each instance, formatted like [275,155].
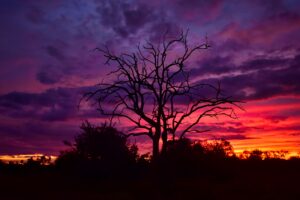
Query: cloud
[215,65]
[235,137]
[49,75]
[32,137]
[161,26]
[138,17]
[264,77]
[295,134]
[35,15]
[55,52]
[262,62]
[52,105]
[190,9]
[276,118]
[267,31]
[123,17]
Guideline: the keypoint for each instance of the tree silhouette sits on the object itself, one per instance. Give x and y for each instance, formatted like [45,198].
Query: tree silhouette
[154,91]
[103,145]
[218,149]
[39,161]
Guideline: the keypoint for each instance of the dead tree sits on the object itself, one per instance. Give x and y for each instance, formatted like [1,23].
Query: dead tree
[153,90]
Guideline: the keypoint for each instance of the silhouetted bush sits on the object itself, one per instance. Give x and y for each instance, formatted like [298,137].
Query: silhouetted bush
[2,164]
[199,150]
[256,155]
[38,162]
[99,149]
[218,149]
[186,158]
[295,158]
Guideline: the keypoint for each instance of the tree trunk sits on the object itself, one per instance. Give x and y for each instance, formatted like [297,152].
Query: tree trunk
[155,148]
[164,142]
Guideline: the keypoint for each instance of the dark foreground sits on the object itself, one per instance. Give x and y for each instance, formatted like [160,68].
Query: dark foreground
[241,180]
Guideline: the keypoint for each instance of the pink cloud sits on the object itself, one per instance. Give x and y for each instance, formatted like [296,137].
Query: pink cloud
[267,31]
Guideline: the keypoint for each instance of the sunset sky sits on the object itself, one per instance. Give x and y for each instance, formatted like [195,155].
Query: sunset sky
[47,63]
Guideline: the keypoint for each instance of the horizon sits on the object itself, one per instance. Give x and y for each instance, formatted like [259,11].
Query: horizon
[47,65]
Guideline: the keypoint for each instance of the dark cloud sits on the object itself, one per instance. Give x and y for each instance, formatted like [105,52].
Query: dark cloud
[216,65]
[222,129]
[190,9]
[49,75]
[138,17]
[260,63]
[295,134]
[161,26]
[293,127]
[266,81]
[55,52]
[276,118]
[235,137]
[52,105]
[43,120]
[230,46]
[123,17]
[194,4]
[35,137]
[35,15]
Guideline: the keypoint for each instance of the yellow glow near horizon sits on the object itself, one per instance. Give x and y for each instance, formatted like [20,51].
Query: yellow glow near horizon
[23,157]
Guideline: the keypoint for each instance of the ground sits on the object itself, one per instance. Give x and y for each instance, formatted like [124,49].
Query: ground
[255,181]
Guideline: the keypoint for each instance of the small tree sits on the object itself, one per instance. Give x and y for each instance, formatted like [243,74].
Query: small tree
[103,143]
[100,144]
[256,155]
[153,90]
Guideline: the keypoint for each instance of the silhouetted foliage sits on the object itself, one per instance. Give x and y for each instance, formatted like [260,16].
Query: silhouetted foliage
[188,158]
[99,148]
[37,162]
[219,149]
[295,158]
[2,164]
[187,170]
[68,159]
[215,149]
[103,143]
[257,154]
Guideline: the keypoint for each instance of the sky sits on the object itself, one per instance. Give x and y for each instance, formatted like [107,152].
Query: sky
[47,64]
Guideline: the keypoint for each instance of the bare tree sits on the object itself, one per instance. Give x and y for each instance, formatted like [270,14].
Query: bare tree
[152,89]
